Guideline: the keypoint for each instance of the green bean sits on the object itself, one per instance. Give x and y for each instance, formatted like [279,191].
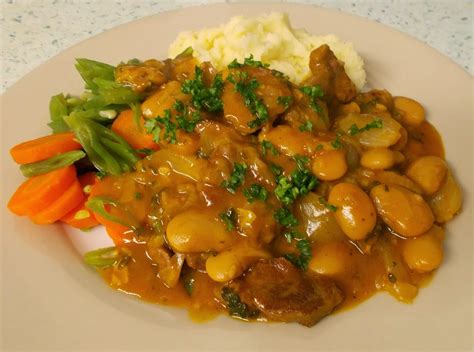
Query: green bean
[90,69]
[97,205]
[53,163]
[109,152]
[102,258]
[58,108]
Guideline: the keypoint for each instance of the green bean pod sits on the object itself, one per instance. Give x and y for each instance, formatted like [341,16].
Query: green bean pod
[102,257]
[53,163]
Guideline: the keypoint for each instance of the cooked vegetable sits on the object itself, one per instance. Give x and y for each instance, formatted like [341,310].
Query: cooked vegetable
[53,163]
[105,257]
[355,212]
[61,206]
[132,131]
[108,152]
[39,192]
[44,148]
[404,211]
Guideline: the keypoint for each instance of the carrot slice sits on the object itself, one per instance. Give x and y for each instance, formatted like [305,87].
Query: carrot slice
[44,148]
[63,205]
[80,217]
[38,192]
[117,232]
[126,127]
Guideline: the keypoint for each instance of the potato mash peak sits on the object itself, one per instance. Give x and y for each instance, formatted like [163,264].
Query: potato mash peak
[271,39]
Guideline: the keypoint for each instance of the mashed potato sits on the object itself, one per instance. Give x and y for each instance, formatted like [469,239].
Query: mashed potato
[271,39]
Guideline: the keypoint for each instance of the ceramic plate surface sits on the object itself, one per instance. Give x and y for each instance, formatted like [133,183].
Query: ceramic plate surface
[52,301]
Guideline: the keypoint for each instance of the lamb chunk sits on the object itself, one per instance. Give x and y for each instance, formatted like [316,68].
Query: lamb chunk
[283,293]
[329,73]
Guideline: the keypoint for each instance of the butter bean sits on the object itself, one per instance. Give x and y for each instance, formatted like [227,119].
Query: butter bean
[411,111]
[355,212]
[194,231]
[424,253]
[329,165]
[378,159]
[405,212]
[229,264]
[428,172]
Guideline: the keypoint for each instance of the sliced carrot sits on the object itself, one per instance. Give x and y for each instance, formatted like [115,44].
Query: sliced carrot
[80,217]
[44,148]
[38,192]
[126,127]
[88,179]
[117,232]
[63,205]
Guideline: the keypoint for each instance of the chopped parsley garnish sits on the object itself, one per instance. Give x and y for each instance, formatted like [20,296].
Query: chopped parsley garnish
[293,235]
[235,306]
[285,101]
[154,126]
[255,192]
[229,217]
[336,144]
[246,88]
[301,160]
[301,261]
[319,147]
[298,183]
[268,145]
[203,97]
[276,169]
[307,126]
[314,92]
[285,217]
[328,206]
[248,61]
[185,120]
[353,130]
[138,195]
[236,178]
[289,188]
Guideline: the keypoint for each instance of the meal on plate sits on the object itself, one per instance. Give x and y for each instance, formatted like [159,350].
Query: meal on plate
[227,186]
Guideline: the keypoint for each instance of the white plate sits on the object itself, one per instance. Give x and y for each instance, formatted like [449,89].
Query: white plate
[51,301]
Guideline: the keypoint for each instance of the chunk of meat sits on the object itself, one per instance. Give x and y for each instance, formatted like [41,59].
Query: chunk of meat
[141,77]
[284,293]
[329,73]
[269,89]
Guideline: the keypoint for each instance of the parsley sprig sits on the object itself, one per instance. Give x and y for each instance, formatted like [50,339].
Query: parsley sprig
[298,183]
[328,206]
[208,98]
[255,192]
[229,217]
[247,87]
[353,130]
[248,61]
[286,101]
[235,306]
[184,119]
[301,260]
[314,92]
[270,146]
[236,178]
[285,217]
